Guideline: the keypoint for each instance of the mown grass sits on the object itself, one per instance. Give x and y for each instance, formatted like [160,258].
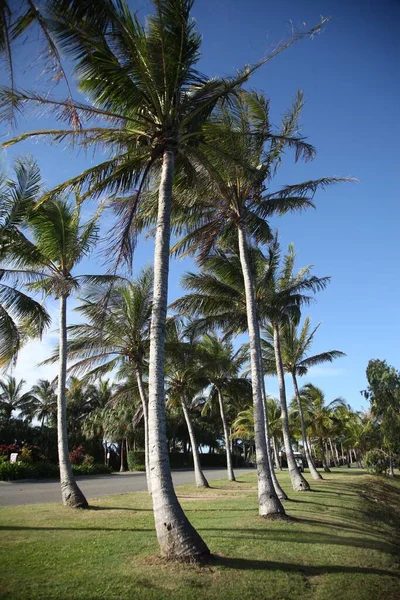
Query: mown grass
[342,543]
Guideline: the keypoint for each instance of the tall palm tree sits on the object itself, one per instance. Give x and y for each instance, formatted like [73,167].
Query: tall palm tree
[13,398]
[184,379]
[295,347]
[320,416]
[115,335]
[60,242]
[143,80]
[21,317]
[232,201]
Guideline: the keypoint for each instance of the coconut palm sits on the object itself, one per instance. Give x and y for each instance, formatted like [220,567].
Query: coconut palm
[221,367]
[319,416]
[115,335]
[185,379]
[20,316]
[13,398]
[60,241]
[234,199]
[295,347]
[44,401]
[144,81]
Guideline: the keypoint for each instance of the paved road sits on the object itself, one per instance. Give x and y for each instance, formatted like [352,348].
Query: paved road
[14,493]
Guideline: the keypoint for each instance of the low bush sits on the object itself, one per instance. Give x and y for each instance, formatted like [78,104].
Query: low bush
[136,460]
[376,461]
[91,469]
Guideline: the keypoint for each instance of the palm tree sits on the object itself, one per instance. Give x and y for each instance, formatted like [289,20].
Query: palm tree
[59,243]
[13,398]
[295,348]
[232,200]
[320,416]
[221,367]
[143,80]
[20,316]
[44,401]
[184,379]
[115,335]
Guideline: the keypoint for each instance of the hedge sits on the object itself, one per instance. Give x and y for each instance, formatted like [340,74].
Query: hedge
[41,470]
[180,460]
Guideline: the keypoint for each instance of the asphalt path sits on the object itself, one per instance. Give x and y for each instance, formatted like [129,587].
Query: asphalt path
[15,493]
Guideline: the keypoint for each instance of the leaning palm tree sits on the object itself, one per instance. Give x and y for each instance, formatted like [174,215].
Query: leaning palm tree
[295,347]
[320,417]
[115,335]
[21,317]
[143,80]
[13,398]
[60,242]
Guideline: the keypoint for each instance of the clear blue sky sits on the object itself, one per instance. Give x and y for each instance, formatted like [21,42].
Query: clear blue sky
[350,77]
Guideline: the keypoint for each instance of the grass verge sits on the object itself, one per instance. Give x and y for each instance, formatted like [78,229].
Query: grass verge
[341,543]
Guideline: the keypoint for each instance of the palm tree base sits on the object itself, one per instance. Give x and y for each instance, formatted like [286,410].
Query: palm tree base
[72,496]
[299,484]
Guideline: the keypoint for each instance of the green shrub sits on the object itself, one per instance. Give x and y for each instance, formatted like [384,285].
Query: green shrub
[91,469]
[136,460]
[376,461]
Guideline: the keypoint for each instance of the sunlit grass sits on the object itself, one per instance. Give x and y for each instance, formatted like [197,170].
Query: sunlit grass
[340,543]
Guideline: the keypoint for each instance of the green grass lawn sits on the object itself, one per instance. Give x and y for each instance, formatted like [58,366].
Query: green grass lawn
[340,543]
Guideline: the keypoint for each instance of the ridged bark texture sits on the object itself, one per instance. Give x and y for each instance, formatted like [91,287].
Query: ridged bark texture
[145,405]
[199,476]
[177,537]
[70,492]
[268,501]
[229,467]
[313,471]
[299,484]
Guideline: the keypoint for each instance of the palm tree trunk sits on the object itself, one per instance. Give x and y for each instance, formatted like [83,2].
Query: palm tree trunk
[229,468]
[391,469]
[332,453]
[122,453]
[145,406]
[268,501]
[336,454]
[277,487]
[299,483]
[324,460]
[313,471]
[199,476]
[276,455]
[177,537]
[70,492]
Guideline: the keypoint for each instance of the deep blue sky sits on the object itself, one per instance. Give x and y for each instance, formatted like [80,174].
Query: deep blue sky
[350,77]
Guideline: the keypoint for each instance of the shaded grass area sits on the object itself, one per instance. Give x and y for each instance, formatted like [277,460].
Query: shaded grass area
[341,542]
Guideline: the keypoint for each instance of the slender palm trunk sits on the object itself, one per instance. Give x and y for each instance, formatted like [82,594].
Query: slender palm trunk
[268,501]
[177,537]
[324,458]
[313,471]
[199,476]
[332,453]
[391,469]
[299,483]
[70,492]
[229,467]
[122,456]
[336,454]
[276,455]
[145,406]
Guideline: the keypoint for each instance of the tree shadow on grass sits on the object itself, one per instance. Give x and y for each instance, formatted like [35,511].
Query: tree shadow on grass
[247,564]
[305,537]
[91,507]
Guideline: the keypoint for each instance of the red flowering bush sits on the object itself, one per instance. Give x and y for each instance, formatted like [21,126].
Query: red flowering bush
[77,455]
